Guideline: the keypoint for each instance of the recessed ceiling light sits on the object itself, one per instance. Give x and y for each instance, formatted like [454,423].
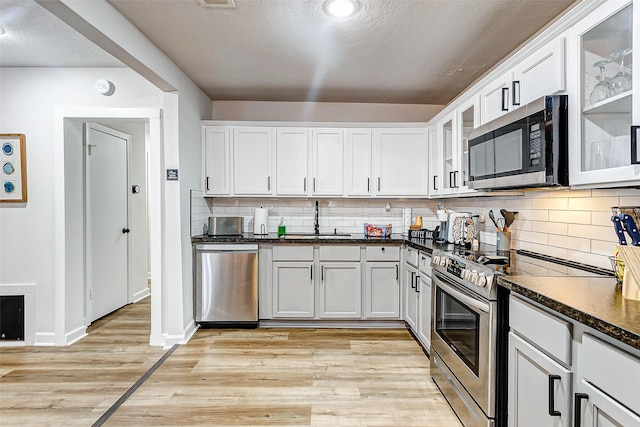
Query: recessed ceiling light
[340,8]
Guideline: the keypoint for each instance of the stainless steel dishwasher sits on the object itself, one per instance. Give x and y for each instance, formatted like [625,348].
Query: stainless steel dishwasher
[226,285]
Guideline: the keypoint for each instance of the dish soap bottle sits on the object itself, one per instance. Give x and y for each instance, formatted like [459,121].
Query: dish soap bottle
[282,229]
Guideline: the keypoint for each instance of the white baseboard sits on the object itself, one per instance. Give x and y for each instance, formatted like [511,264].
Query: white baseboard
[75,335]
[355,324]
[141,294]
[9,343]
[187,333]
[45,339]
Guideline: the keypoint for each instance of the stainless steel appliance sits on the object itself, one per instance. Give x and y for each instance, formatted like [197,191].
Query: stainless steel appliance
[468,359]
[226,225]
[226,284]
[527,147]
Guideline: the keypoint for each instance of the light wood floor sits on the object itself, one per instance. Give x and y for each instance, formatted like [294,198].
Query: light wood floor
[266,377]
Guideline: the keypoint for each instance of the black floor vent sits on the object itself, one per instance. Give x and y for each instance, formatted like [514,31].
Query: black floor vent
[12,318]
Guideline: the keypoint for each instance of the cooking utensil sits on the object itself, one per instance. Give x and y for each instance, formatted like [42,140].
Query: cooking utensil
[509,217]
[617,224]
[502,226]
[493,218]
[631,228]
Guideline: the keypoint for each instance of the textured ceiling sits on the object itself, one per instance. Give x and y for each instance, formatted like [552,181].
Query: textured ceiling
[392,51]
[33,37]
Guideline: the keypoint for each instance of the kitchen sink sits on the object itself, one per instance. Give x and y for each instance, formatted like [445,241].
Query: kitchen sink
[314,236]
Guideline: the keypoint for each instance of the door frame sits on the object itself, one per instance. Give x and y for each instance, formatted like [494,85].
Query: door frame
[65,334]
[88,308]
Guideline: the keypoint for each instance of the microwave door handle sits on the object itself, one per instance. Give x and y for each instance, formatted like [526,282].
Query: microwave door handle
[515,92]
[505,99]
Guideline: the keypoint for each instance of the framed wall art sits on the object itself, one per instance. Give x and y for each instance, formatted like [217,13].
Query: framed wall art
[14,168]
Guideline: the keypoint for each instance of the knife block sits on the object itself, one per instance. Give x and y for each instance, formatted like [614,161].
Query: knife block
[631,279]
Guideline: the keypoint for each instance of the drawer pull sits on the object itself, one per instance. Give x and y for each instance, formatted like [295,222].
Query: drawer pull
[577,408]
[552,397]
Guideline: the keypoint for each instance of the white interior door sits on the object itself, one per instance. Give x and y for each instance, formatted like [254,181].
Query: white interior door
[106,219]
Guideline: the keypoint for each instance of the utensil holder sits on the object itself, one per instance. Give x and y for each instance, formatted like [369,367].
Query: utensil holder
[503,240]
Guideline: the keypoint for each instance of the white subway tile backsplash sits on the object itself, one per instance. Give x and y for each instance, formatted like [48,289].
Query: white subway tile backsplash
[528,236]
[573,243]
[592,203]
[550,227]
[559,203]
[589,258]
[592,232]
[570,217]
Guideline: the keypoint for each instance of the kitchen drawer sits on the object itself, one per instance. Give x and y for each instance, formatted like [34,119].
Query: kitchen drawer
[411,256]
[383,253]
[339,253]
[544,330]
[292,253]
[424,263]
[612,370]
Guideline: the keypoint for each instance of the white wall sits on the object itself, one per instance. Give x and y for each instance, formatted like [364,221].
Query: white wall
[322,112]
[29,97]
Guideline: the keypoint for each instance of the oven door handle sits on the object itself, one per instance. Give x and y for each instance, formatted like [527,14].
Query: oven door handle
[464,298]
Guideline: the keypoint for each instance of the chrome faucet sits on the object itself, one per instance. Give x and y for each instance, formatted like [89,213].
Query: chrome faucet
[316,224]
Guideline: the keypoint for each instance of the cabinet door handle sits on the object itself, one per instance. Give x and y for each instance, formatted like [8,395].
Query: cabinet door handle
[304,185]
[515,92]
[322,274]
[413,280]
[417,288]
[311,270]
[207,183]
[368,179]
[378,184]
[552,395]
[268,183]
[397,272]
[635,140]
[435,182]
[314,185]
[577,408]
[451,180]
[505,99]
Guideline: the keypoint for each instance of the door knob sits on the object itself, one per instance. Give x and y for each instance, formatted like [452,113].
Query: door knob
[125,230]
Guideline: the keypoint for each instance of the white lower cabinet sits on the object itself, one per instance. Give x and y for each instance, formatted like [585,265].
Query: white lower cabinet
[382,290]
[539,387]
[412,279]
[293,282]
[382,282]
[593,408]
[424,311]
[340,290]
[293,289]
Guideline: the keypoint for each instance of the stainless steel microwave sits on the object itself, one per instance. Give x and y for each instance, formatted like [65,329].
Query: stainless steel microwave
[526,147]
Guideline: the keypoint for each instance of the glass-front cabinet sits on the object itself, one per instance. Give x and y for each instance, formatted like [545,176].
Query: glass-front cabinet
[604,109]
[450,175]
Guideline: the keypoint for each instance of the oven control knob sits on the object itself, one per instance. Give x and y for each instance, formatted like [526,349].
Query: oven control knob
[466,274]
[436,260]
[473,276]
[481,280]
[447,262]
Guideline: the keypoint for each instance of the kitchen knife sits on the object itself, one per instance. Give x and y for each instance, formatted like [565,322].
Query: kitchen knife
[617,224]
[631,228]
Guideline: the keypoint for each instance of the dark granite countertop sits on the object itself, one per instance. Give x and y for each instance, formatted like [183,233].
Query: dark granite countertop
[427,245]
[271,238]
[594,301]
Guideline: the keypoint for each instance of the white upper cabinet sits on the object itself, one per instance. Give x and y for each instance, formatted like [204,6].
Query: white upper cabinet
[539,74]
[400,162]
[358,161]
[328,162]
[217,157]
[494,98]
[252,161]
[602,53]
[292,148]
[435,162]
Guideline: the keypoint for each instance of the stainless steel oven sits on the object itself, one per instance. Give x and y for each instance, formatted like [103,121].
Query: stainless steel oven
[464,337]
